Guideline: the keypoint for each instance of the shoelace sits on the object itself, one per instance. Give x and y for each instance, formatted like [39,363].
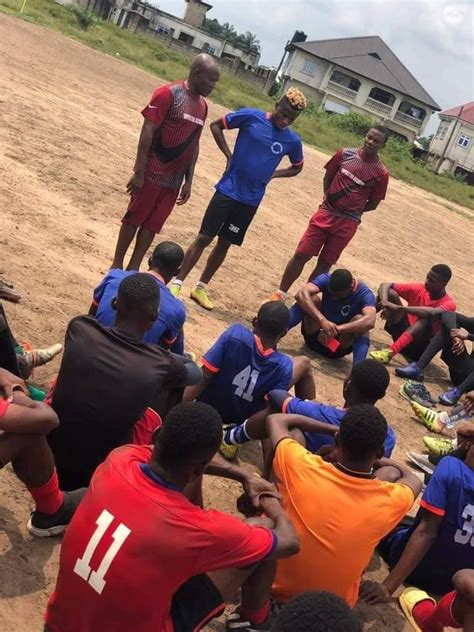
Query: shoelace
[422,391]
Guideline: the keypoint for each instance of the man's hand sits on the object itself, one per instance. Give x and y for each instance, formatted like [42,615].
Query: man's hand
[135,183]
[185,194]
[10,382]
[469,402]
[460,333]
[329,328]
[255,485]
[373,592]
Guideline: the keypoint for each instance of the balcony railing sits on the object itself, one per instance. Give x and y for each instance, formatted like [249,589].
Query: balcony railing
[408,120]
[378,106]
[340,89]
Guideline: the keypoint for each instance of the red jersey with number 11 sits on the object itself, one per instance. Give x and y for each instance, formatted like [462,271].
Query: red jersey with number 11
[133,542]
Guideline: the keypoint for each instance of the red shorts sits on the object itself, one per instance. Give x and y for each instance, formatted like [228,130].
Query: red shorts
[327,235]
[150,206]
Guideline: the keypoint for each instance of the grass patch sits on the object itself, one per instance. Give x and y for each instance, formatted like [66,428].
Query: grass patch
[317,129]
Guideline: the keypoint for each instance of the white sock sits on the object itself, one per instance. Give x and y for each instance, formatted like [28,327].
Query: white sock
[201,284]
[284,295]
[177,282]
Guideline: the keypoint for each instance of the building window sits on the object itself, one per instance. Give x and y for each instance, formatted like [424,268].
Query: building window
[382,96]
[345,80]
[309,68]
[210,50]
[162,29]
[185,37]
[464,141]
[442,129]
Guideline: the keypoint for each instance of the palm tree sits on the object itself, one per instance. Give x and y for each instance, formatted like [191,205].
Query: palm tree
[250,42]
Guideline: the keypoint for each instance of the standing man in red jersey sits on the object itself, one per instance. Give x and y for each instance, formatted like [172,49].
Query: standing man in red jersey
[356,182]
[167,153]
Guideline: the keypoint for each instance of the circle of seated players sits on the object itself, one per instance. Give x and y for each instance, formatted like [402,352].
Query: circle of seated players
[126,487]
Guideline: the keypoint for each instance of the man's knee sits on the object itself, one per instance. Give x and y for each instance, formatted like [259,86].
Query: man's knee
[301,257]
[463,582]
[302,365]
[223,244]
[202,241]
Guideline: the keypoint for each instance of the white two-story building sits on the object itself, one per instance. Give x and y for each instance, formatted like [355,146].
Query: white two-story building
[360,74]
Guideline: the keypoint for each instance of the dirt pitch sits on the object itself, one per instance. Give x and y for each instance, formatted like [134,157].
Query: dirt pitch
[70,121]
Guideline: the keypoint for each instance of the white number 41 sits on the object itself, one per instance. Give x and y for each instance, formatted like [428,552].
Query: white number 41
[245,382]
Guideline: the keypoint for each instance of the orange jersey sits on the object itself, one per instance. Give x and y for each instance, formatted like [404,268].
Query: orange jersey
[340,520]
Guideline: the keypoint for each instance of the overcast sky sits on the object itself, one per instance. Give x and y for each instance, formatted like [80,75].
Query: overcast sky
[433,38]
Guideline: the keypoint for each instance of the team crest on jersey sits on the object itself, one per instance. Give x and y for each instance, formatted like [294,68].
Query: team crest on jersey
[277,148]
[345,309]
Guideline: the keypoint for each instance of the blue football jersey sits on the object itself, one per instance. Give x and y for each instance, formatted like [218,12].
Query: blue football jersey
[259,149]
[337,310]
[449,495]
[243,374]
[167,328]
[329,415]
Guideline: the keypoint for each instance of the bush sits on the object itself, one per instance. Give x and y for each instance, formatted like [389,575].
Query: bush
[353,122]
[84,17]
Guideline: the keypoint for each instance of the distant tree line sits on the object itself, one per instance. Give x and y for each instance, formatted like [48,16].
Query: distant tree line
[247,41]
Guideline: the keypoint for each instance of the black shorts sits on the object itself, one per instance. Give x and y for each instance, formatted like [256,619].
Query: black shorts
[195,604]
[227,218]
[313,343]
[414,350]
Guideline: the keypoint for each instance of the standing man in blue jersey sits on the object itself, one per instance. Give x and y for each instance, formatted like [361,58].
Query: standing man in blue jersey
[264,139]
[167,330]
[243,365]
[336,313]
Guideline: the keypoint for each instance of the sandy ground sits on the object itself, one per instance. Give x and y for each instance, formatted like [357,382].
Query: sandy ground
[70,120]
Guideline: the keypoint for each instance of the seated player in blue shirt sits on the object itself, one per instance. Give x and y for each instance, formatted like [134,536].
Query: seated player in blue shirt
[242,366]
[167,330]
[264,139]
[441,540]
[336,313]
[367,383]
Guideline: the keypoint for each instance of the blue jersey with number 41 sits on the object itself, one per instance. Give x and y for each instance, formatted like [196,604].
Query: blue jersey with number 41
[244,373]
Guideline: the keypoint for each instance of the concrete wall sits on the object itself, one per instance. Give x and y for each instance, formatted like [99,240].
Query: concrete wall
[195,13]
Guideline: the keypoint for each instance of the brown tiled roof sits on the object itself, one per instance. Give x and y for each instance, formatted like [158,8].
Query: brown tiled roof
[370,57]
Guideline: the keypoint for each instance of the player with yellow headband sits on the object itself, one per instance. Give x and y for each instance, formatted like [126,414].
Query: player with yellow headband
[264,139]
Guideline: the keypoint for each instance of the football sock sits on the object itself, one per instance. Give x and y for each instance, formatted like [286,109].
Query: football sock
[237,435]
[360,348]
[433,618]
[284,295]
[296,315]
[255,616]
[48,497]
[400,344]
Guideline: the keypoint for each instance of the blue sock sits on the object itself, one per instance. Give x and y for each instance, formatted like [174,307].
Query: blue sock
[360,348]
[237,435]
[296,315]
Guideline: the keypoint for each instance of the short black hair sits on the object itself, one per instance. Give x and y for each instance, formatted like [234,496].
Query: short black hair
[371,379]
[138,291]
[340,280]
[443,271]
[363,430]
[191,433]
[316,612]
[273,318]
[167,257]
[383,130]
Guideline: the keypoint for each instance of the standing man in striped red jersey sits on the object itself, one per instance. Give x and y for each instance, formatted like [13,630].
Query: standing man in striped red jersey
[167,153]
[356,182]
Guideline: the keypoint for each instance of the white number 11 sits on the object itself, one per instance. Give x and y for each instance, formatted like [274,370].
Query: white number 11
[83,567]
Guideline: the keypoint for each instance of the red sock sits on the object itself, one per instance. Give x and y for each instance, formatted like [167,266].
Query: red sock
[48,497]
[433,618]
[404,340]
[444,613]
[423,614]
[256,616]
